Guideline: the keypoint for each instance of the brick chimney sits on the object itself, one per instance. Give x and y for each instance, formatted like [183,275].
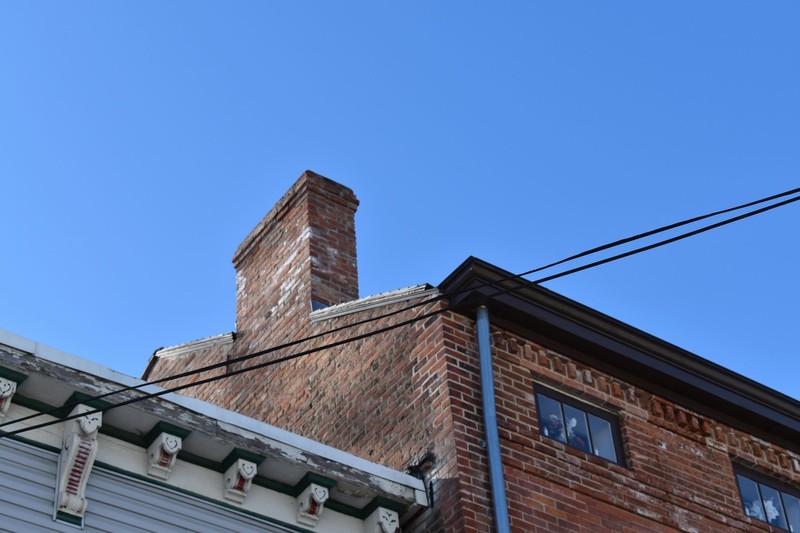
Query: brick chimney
[302,255]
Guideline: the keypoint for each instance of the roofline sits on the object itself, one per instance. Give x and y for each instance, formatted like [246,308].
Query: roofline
[191,346]
[222,416]
[371,302]
[623,350]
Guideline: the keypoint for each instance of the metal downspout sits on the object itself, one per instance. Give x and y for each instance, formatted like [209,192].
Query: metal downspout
[490,422]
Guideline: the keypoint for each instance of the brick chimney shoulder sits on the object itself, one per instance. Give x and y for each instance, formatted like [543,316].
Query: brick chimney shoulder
[304,249]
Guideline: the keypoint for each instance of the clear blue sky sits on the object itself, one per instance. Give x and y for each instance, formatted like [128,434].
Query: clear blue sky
[141,141]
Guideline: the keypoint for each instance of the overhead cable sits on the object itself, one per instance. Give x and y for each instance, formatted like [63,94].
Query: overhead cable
[522,283]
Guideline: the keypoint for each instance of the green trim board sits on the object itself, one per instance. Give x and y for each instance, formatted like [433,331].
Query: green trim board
[343,508]
[79,398]
[165,427]
[380,501]
[200,461]
[273,484]
[308,479]
[33,405]
[70,519]
[238,453]
[13,375]
[125,436]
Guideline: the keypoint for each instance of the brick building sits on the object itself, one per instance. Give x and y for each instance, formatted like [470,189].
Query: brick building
[601,426]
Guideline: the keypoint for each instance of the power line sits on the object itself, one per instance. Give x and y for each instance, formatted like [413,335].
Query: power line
[513,277]
[663,229]
[415,305]
[522,284]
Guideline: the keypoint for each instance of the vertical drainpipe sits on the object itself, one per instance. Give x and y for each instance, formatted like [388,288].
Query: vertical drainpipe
[490,422]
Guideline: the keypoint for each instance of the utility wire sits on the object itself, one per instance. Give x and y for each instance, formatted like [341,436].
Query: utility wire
[663,229]
[446,295]
[411,306]
[523,283]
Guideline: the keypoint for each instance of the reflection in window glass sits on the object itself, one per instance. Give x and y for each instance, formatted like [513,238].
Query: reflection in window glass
[550,419]
[751,499]
[577,432]
[578,426]
[602,438]
[768,504]
[792,506]
[773,507]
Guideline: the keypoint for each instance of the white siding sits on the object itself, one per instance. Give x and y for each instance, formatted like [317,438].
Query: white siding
[116,503]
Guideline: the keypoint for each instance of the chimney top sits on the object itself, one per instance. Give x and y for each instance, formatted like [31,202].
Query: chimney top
[337,193]
[302,253]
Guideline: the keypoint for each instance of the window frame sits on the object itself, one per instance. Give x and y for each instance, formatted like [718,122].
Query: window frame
[587,408]
[777,485]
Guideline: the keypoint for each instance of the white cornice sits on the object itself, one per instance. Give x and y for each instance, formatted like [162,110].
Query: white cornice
[200,344]
[306,451]
[376,300]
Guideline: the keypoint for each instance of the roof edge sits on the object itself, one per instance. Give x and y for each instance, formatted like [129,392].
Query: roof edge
[224,418]
[477,281]
[373,301]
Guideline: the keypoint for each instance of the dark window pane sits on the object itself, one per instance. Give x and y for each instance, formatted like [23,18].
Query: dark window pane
[571,422]
[602,438]
[773,508]
[550,419]
[792,506]
[577,432]
[751,499]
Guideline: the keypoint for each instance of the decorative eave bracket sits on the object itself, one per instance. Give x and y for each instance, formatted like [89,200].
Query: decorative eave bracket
[162,454]
[242,467]
[9,380]
[7,390]
[382,520]
[310,504]
[311,493]
[239,479]
[164,441]
[78,452]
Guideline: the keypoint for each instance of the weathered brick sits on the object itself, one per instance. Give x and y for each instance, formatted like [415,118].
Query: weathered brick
[394,397]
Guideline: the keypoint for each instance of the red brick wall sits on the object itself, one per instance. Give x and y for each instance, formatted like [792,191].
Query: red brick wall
[303,250]
[385,398]
[679,474]
[163,367]
[334,273]
[395,397]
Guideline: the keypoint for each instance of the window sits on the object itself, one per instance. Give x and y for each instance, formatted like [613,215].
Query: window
[769,502]
[579,425]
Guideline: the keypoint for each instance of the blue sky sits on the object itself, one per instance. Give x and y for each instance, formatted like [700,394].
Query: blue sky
[140,142]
